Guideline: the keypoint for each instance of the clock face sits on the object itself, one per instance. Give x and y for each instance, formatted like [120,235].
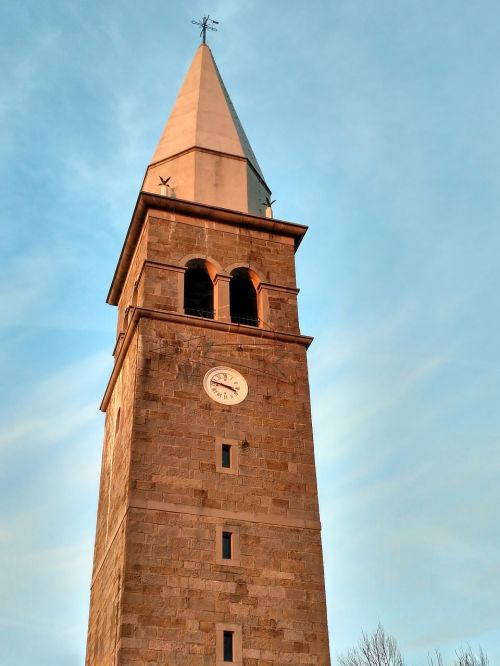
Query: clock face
[225,385]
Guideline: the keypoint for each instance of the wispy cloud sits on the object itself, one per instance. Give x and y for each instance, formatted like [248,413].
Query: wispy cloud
[57,408]
[364,373]
[51,449]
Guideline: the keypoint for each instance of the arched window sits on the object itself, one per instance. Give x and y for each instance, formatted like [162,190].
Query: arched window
[198,290]
[243,298]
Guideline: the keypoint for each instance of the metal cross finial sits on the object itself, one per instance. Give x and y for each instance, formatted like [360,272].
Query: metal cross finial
[206,23]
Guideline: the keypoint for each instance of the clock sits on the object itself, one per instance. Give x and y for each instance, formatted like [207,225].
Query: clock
[225,385]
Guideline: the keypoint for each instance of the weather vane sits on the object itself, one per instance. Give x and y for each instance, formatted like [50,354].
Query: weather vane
[205,24]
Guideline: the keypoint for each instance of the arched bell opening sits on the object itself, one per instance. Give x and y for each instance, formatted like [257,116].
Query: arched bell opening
[243,297]
[198,289]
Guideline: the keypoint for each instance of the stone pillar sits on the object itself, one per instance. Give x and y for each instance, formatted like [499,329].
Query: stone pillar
[263,305]
[180,290]
[221,298]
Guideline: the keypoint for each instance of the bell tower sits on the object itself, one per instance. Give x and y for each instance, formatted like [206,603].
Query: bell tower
[208,543]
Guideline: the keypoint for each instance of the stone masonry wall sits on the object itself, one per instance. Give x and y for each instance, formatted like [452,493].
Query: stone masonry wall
[176,590]
[161,593]
[115,466]
[109,551]
[169,242]
[127,294]
[176,423]
[176,594]
[105,616]
[270,255]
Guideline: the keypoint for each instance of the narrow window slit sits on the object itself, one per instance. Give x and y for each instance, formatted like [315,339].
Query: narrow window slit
[227,545]
[226,456]
[228,646]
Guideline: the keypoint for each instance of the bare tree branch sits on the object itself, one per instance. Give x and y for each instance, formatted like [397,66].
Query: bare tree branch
[465,657]
[377,649]
[436,659]
[380,649]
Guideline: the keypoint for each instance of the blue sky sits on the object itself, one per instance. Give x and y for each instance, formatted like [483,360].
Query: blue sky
[375,123]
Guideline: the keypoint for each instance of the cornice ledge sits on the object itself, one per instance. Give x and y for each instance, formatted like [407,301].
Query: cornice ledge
[190,320]
[151,505]
[276,520]
[278,287]
[210,151]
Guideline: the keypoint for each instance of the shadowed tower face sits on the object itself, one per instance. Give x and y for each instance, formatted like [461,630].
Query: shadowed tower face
[208,545]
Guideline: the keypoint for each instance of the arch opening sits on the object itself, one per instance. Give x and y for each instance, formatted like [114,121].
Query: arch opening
[243,298]
[198,290]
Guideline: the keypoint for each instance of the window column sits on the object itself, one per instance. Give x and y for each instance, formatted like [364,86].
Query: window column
[221,298]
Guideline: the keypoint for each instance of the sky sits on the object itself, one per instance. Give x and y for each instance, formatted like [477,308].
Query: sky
[376,124]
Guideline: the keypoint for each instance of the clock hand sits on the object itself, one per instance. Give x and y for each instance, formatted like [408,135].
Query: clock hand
[225,385]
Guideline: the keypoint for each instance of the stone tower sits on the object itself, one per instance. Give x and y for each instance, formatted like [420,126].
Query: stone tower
[208,545]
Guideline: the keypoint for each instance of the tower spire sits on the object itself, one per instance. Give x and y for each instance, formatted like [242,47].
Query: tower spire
[204,149]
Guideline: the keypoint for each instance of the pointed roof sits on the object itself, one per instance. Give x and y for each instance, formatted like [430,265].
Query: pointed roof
[204,116]
[203,151]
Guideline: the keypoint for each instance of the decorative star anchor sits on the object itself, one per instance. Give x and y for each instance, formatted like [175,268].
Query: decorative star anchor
[206,23]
